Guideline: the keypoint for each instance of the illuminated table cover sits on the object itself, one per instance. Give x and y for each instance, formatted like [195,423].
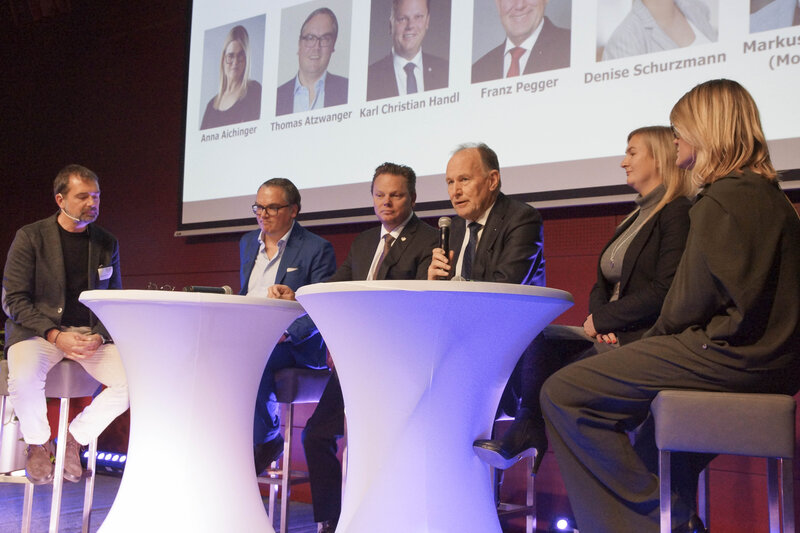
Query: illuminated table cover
[194,362]
[422,366]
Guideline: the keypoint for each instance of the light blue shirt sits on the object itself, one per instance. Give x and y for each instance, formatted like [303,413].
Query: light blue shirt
[301,95]
[265,270]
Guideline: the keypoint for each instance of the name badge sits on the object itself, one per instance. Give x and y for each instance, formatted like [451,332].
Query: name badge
[104,273]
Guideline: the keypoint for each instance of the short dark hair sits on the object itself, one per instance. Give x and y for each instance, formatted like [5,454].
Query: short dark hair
[61,183]
[289,190]
[322,11]
[397,170]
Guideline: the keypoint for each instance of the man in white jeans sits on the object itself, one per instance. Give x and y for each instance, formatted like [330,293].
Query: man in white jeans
[49,264]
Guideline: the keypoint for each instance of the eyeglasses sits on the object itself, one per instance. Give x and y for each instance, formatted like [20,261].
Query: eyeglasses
[271,210]
[675,133]
[310,40]
[230,58]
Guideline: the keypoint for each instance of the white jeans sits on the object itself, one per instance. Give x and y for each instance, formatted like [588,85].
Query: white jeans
[30,360]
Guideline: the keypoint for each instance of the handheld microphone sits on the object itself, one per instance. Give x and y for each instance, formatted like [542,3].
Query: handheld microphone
[444,234]
[225,289]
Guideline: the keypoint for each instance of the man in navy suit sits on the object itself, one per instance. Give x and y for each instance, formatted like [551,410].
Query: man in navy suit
[409,242]
[314,87]
[407,69]
[531,40]
[282,251]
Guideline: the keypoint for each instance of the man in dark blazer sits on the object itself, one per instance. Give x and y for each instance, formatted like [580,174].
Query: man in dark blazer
[494,238]
[541,44]
[315,46]
[49,264]
[399,72]
[394,194]
[282,251]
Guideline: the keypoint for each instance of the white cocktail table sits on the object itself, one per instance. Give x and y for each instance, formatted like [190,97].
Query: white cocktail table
[194,362]
[422,366]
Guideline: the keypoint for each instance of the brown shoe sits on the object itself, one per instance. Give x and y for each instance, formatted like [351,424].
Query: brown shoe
[39,466]
[73,470]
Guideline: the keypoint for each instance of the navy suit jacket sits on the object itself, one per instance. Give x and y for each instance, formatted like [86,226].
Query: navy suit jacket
[306,259]
[551,51]
[647,272]
[335,94]
[408,258]
[382,83]
[510,249]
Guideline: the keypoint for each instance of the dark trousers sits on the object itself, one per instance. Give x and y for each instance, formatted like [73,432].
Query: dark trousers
[311,353]
[322,430]
[589,407]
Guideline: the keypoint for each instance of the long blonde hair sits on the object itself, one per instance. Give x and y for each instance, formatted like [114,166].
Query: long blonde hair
[658,140]
[721,121]
[238,34]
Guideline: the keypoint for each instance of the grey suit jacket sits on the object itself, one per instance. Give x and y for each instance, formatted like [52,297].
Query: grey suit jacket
[34,280]
[382,82]
[408,258]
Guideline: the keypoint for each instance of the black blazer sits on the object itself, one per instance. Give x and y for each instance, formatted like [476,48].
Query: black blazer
[382,83]
[510,249]
[551,51]
[408,258]
[647,271]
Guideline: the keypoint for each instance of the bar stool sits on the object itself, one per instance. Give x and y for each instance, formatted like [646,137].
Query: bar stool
[528,509]
[760,425]
[293,386]
[66,380]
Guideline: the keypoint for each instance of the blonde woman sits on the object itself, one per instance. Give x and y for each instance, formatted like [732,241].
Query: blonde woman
[239,97]
[634,273]
[730,323]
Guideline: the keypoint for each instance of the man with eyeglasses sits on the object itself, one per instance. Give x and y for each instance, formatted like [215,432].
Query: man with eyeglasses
[282,251]
[407,69]
[314,87]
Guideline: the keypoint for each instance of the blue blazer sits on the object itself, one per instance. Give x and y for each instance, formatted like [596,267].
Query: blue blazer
[335,94]
[306,259]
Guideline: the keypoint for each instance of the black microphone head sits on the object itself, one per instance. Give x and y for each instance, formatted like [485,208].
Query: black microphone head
[444,222]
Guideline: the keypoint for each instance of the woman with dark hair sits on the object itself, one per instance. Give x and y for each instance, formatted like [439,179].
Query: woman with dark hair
[730,323]
[634,272]
[239,97]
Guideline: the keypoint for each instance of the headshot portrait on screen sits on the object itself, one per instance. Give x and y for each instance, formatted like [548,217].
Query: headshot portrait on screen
[407,69]
[773,14]
[312,87]
[530,40]
[656,25]
[238,94]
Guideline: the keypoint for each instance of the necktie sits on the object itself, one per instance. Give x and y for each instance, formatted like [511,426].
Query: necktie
[387,244]
[411,80]
[469,253]
[516,53]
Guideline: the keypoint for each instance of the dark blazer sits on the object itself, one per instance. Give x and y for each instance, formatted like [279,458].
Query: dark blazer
[551,51]
[510,249]
[335,94]
[647,271]
[735,300]
[408,258]
[34,280]
[306,259]
[382,83]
